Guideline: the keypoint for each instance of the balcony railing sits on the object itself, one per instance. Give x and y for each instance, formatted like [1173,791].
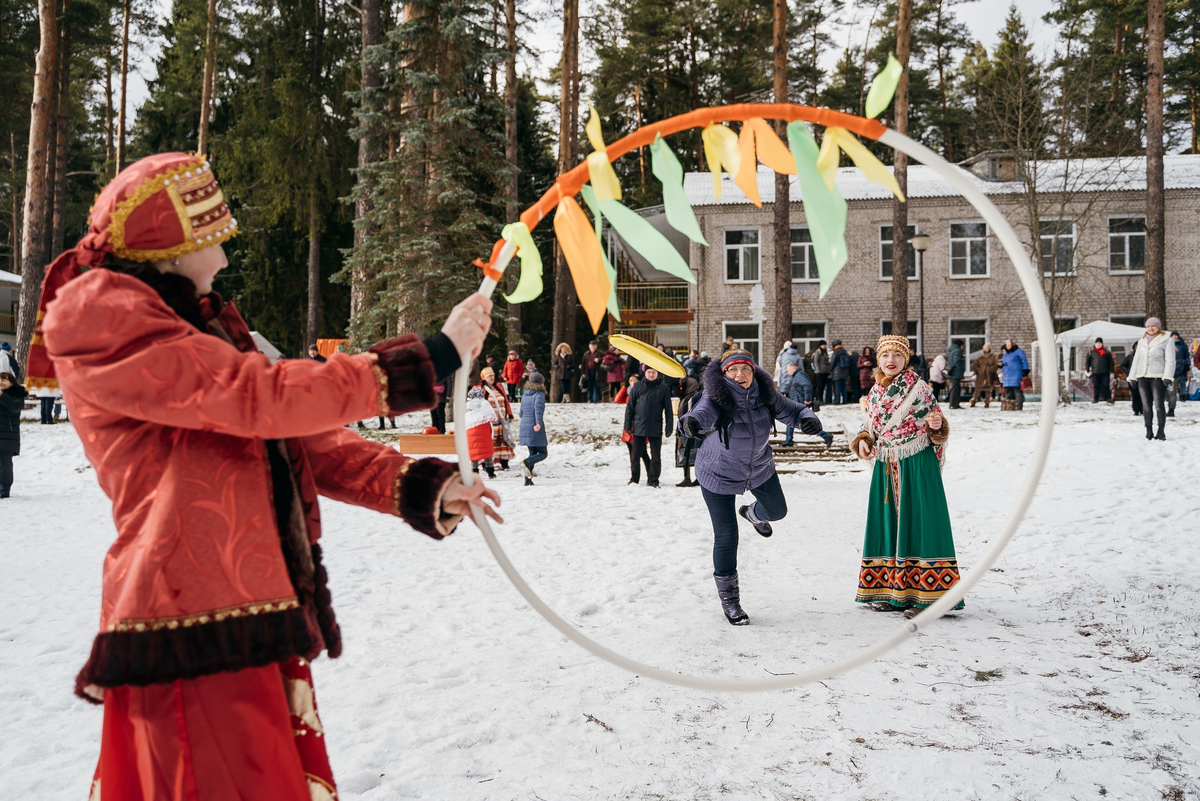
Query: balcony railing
[8,323]
[653,297]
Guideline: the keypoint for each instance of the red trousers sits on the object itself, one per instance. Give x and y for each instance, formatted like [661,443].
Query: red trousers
[253,735]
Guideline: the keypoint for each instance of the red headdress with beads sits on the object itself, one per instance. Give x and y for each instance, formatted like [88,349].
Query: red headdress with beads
[160,207]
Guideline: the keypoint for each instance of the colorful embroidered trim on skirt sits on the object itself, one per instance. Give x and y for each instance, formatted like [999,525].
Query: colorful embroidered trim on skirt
[906,582]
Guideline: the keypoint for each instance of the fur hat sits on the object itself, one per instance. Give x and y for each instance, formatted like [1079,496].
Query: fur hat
[894,343]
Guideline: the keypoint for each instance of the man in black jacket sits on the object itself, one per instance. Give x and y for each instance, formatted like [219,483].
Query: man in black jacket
[1100,367]
[649,401]
[956,368]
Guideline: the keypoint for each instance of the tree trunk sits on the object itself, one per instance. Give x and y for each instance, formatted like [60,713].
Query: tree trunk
[368,154]
[565,299]
[52,154]
[108,109]
[60,148]
[14,231]
[783,205]
[1156,289]
[37,208]
[124,87]
[512,206]
[314,267]
[210,70]
[900,169]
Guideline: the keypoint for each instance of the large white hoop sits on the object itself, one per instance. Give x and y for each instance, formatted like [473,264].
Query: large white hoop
[1045,331]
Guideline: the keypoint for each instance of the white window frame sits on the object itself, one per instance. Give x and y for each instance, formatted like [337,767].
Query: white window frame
[811,261]
[1108,240]
[917,266]
[824,336]
[916,326]
[756,323]
[987,249]
[1112,319]
[950,335]
[741,263]
[1074,237]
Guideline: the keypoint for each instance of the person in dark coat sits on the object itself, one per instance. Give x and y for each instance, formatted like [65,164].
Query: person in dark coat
[1183,366]
[562,370]
[1134,396]
[685,447]
[839,371]
[649,401]
[822,384]
[1100,366]
[315,354]
[956,368]
[12,401]
[735,416]
[632,368]
[866,370]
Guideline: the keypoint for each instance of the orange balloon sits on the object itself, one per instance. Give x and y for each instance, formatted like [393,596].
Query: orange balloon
[582,252]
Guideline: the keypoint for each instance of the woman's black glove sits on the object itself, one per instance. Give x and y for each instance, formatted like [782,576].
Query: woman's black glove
[690,427]
[810,426]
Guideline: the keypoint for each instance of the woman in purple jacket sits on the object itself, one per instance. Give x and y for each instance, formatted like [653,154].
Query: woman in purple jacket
[740,403]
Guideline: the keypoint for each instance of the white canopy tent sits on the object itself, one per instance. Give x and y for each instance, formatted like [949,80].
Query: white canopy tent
[1115,335]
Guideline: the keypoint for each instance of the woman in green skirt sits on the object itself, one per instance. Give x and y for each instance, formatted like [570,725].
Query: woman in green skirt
[908,555]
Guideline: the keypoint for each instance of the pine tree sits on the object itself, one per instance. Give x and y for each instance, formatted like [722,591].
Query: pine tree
[438,200]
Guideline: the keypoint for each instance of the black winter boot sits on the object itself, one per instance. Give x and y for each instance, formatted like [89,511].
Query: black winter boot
[528,471]
[731,599]
[763,527]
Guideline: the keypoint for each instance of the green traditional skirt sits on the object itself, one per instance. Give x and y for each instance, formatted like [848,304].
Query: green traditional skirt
[908,555]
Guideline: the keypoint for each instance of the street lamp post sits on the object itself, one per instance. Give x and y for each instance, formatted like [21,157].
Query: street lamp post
[920,244]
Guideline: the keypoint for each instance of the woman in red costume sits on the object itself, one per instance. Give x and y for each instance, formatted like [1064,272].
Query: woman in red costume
[214,595]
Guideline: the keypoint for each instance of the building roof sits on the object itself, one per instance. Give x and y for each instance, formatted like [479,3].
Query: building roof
[640,265]
[9,278]
[1104,174]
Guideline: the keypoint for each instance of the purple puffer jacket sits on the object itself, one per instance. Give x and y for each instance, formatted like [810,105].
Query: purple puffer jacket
[747,461]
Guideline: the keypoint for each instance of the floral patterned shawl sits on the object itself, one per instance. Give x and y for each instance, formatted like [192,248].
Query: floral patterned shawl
[896,416]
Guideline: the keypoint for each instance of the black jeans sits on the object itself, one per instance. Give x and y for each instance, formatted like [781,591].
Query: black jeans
[770,505]
[1154,395]
[564,388]
[820,386]
[955,392]
[1101,390]
[47,410]
[637,454]
[6,472]
[438,417]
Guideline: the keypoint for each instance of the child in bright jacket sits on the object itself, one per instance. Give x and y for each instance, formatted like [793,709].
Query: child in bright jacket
[908,556]
[214,596]
[480,419]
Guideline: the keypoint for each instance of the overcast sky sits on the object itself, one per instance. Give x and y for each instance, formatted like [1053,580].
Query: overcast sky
[983,17]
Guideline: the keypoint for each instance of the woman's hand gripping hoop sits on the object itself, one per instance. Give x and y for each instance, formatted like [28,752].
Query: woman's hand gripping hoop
[1045,334]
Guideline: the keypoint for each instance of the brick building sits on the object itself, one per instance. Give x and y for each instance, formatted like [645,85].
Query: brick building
[1091,245]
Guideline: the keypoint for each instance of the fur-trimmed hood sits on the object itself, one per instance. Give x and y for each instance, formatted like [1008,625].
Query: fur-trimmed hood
[720,388]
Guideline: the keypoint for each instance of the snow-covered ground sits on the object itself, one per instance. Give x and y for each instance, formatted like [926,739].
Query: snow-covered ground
[1074,671]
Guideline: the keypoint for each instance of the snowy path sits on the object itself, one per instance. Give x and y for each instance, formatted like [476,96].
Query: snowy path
[1073,672]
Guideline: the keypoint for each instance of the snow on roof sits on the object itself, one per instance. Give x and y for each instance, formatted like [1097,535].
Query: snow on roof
[1104,174]
[9,278]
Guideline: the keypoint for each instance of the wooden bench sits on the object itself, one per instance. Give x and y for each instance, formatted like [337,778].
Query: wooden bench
[425,444]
